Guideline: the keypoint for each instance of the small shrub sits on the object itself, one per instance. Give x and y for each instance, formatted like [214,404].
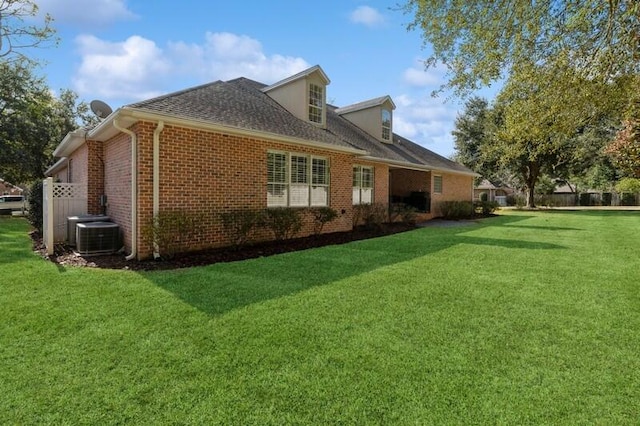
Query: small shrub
[628,199]
[34,199]
[322,216]
[511,200]
[628,185]
[168,230]
[485,208]
[373,215]
[520,202]
[239,224]
[402,212]
[357,214]
[284,222]
[456,210]
[484,196]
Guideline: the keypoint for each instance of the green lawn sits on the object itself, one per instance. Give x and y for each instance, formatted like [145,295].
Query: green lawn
[528,318]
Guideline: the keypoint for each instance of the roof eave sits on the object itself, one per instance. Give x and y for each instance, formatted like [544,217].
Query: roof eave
[414,166]
[72,141]
[301,74]
[360,106]
[56,166]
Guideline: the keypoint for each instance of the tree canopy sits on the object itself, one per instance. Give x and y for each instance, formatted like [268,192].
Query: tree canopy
[482,41]
[548,121]
[625,147]
[32,121]
[17,33]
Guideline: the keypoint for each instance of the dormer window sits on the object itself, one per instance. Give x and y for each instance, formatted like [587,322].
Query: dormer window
[316,103]
[386,124]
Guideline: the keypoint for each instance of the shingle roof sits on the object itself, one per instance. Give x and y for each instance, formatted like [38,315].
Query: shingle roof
[364,105]
[241,103]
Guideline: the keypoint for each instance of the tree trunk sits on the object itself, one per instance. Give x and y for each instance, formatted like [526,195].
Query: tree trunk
[531,178]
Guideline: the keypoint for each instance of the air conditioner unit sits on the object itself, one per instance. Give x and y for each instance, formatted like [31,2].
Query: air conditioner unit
[72,221]
[93,238]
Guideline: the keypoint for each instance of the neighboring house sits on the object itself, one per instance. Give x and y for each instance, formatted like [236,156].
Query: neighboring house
[496,191]
[240,144]
[7,188]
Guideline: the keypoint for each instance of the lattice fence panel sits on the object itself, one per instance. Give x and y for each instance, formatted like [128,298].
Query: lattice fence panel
[69,199]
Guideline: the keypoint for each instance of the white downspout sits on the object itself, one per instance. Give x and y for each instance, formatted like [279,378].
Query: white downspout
[134,189]
[156,179]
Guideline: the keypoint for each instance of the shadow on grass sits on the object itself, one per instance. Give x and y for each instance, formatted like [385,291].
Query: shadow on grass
[546,228]
[221,288]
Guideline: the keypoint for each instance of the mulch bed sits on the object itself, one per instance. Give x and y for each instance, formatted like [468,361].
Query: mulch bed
[65,256]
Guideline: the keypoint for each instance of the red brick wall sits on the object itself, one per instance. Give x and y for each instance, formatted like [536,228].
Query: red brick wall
[209,173]
[454,188]
[95,176]
[116,155]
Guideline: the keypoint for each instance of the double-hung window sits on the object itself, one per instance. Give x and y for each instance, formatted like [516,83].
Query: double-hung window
[386,124]
[297,180]
[316,103]
[277,179]
[362,185]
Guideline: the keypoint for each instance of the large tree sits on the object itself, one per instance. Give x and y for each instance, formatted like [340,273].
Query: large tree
[545,109]
[18,30]
[482,41]
[32,121]
[470,132]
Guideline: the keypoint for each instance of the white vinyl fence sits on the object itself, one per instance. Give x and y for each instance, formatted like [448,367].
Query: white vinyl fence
[60,200]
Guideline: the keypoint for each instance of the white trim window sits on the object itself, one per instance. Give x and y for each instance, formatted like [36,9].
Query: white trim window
[297,180]
[362,185]
[316,103]
[386,124]
[437,184]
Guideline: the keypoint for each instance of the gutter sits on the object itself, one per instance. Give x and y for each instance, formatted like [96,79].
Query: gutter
[156,180]
[134,189]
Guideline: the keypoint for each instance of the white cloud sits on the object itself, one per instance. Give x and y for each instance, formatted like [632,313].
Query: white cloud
[132,69]
[425,120]
[418,76]
[76,12]
[367,16]
[225,56]
[137,68]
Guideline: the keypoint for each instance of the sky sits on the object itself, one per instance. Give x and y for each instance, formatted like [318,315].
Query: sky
[123,51]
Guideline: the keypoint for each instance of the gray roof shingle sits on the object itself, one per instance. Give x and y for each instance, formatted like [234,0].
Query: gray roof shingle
[241,103]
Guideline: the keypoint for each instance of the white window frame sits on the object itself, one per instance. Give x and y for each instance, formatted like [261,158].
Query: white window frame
[437,190]
[310,191]
[315,94]
[360,191]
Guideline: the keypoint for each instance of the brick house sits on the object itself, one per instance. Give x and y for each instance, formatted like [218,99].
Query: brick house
[225,146]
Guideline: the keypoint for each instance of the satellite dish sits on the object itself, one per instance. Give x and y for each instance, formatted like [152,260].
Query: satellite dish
[101,109]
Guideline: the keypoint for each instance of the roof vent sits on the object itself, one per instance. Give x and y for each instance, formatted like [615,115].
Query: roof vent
[95,238]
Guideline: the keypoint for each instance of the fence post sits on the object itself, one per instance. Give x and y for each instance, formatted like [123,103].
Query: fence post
[48,204]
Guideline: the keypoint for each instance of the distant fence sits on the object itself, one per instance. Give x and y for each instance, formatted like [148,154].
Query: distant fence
[589,199]
[59,201]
